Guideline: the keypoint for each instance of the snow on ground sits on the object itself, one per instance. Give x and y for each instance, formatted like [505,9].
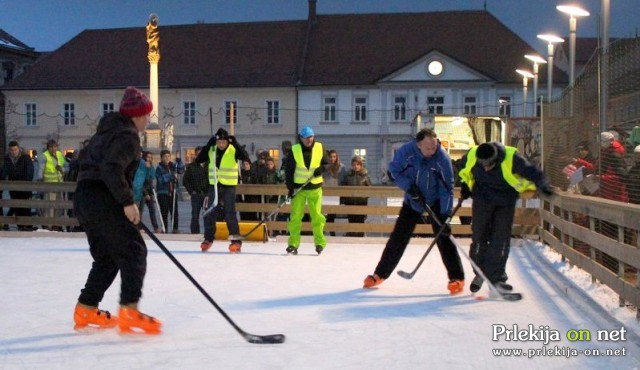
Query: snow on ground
[330,322]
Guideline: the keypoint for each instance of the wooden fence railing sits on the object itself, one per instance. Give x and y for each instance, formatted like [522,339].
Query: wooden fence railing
[382,209]
[599,236]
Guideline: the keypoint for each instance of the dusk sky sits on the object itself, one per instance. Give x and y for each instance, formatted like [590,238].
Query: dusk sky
[47,25]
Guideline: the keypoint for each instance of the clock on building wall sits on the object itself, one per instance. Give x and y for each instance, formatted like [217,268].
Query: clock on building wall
[435,68]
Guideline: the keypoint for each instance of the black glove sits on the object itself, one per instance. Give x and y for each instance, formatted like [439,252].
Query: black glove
[212,141]
[465,192]
[415,193]
[290,194]
[547,190]
[232,140]
[317,172]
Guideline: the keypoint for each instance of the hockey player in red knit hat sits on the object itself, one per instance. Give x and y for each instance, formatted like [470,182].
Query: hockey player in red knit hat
[105,208]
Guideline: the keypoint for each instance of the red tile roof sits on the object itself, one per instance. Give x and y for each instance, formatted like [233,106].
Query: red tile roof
[343,50]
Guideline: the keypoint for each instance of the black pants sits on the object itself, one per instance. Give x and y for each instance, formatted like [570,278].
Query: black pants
[164,201]
[399,239]
[26,212]
[114,242]
[196,206]
[491,238]
[226,205]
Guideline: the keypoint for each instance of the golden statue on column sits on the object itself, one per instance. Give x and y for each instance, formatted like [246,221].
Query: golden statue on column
[153,39]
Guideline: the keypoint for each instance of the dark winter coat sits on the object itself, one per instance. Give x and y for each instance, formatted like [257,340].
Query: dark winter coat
[196,178]
[434,176]
[18,169]
[112,156]
[613,172]
[353,178]
[167,176]
[491,185]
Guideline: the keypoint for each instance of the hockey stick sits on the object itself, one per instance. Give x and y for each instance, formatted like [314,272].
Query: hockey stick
[210,207]
[409,275]
[155,198]
[251,338]
[173,209]
[268,217]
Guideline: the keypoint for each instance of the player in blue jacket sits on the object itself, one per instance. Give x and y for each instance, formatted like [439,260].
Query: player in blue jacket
[422,168]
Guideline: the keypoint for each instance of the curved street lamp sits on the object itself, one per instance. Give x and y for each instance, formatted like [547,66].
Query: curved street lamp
[526,75]
[551,40]
[536,59]
[573,11]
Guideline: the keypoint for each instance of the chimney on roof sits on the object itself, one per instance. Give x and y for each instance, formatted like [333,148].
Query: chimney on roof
[312,11]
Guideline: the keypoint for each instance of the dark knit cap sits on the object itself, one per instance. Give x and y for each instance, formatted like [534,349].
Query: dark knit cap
[222,134]
[487,154]
[135,103]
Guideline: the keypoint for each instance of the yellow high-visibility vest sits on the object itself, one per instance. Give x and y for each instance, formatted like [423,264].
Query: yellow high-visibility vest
[517,182]
[227,174]
[302,173]
[50,173]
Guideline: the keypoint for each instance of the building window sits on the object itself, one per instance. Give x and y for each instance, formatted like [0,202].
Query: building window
[360,109]
[30,114]
[329,109]
[189,112]
[435,104]
[505,106]
[362,153]
[107,108]
[470,105]
[273,112]
[400,108]
[69,114]
[229,112]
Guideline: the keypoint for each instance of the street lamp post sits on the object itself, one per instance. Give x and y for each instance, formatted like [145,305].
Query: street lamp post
[536,59]
[550,39]
[573,12]
[526,75]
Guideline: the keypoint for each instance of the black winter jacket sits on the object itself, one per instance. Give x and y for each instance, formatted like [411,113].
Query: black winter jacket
[112,156]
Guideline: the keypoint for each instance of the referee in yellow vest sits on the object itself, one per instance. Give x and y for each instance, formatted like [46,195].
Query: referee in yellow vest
[222,153]
[305,165]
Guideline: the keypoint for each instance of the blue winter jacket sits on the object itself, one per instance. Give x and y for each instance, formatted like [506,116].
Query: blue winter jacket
[165,174]
[433,175]
[143,174]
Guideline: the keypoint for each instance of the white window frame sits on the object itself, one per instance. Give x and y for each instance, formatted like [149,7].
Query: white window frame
[189,112]
[329,108]
[273,112]
[360,108]
[69,114]
[470,107]
[400,108]
[107,107]
[31,113]
[227,112]
[435,104]
[362,152]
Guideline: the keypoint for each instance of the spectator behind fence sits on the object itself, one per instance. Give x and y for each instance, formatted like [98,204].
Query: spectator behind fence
[271,176]
[333,175]
[196,181]
[53,168]
[166,182]
[18,166]
[145,174]
[633,182]
[247,176]
[612,168]
[357,176]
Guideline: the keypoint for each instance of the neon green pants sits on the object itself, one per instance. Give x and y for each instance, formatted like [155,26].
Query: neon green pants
[313,198]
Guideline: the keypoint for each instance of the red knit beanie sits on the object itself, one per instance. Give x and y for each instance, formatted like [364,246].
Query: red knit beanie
[135,103]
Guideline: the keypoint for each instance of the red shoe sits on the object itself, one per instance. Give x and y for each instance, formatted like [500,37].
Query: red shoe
[205,245]
[372,280]
[92,317]
[133,321]
[235,246]
[455,286]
